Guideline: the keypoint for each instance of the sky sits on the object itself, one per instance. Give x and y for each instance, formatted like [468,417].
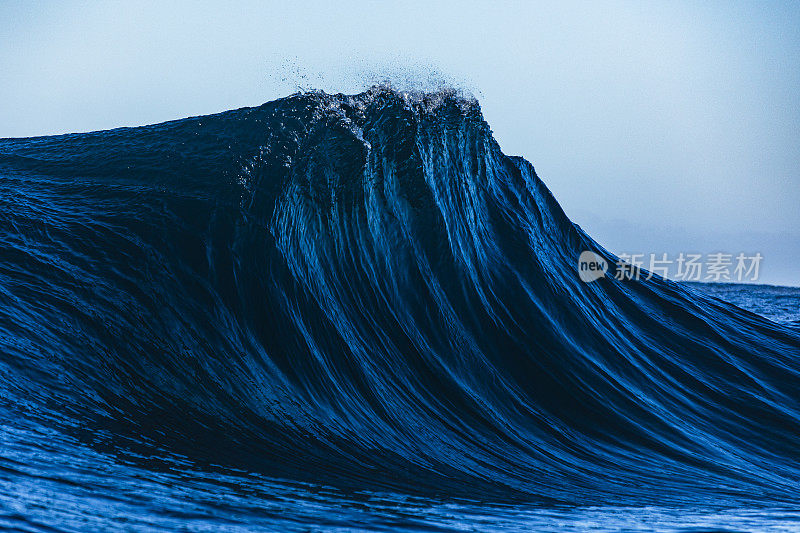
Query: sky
[660,127]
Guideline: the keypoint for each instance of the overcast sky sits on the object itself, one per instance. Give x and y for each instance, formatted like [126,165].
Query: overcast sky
[659,127]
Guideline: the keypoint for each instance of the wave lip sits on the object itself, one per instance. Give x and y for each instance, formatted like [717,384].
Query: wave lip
[365,292]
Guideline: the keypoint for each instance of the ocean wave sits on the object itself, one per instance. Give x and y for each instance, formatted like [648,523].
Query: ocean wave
[364,292]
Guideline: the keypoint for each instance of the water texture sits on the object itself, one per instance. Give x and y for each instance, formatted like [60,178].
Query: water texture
[355,312]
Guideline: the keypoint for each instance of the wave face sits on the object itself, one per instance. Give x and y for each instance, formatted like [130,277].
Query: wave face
[361,293]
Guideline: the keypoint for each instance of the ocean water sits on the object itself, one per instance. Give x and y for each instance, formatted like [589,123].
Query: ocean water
[337,312]
[779,304]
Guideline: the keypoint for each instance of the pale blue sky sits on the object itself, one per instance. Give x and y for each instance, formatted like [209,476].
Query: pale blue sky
[658,126]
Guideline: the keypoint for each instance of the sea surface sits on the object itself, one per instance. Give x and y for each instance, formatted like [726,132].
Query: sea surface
[779,304]
[344,313]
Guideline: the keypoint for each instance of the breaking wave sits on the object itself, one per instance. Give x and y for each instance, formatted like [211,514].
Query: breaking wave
[364,293]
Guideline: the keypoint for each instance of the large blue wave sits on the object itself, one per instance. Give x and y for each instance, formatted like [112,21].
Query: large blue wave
[365,292]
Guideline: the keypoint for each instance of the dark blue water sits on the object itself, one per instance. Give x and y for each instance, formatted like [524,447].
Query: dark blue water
[779,304]
[336,312]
